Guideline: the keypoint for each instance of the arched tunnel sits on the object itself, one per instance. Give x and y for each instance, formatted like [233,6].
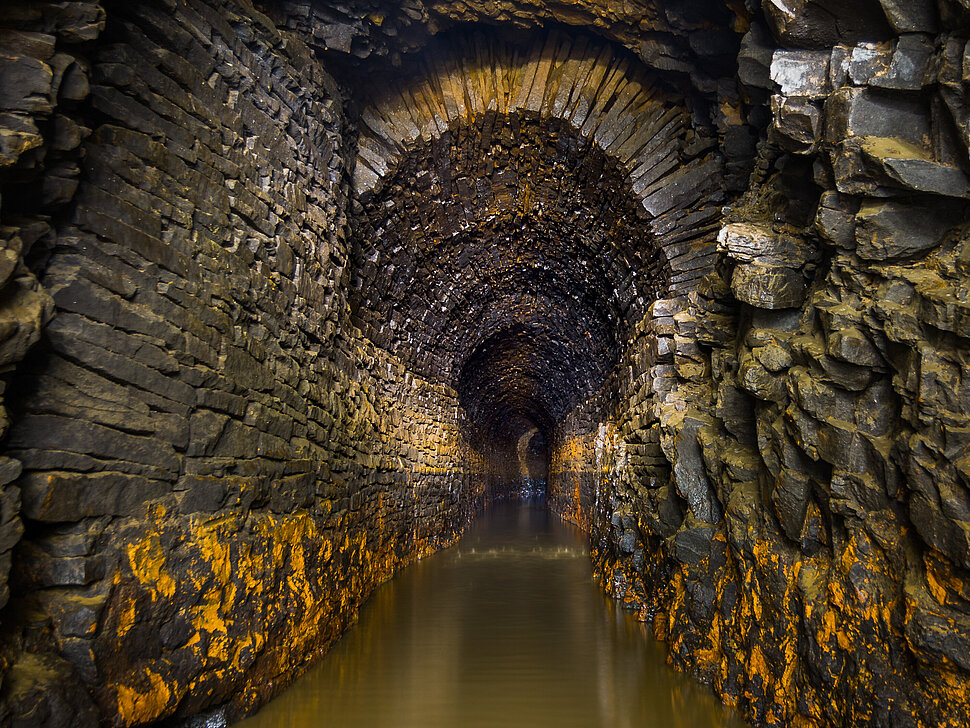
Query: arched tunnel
[292,291]
[507,240]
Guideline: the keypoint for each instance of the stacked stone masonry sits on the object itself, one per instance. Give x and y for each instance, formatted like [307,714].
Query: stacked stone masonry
[807,553]
[519,214]
[290,290]
[215,470]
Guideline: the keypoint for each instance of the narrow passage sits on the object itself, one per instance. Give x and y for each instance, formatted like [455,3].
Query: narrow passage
[507,629]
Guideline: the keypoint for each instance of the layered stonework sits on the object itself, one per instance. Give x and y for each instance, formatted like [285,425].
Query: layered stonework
[44,78]
[288,291]
[216,469]
[812,564]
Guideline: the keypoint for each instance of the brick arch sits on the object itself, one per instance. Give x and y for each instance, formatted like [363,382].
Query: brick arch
[604,95]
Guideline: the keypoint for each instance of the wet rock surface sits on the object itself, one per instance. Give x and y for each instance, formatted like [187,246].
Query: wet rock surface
[815,393]
[289,290]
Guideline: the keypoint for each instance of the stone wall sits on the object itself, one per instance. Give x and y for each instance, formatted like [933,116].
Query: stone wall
[216,468]
[808,554]
[43,78]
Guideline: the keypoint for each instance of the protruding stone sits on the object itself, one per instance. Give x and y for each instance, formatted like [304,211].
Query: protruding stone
[868,60]
[821,24]
[693,545]
[768,286]
[797,124]
[860,112]
[754,60]
[25,85]
[907,16]
[754,243]
[801,73]
[78,22]
[835,219]
[908,166]
[909,69]
[801,23]
[897,229]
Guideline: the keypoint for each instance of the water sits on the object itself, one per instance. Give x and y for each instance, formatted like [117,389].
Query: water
[507,629]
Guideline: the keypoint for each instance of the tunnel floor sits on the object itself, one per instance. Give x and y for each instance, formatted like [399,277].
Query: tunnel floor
[506,629]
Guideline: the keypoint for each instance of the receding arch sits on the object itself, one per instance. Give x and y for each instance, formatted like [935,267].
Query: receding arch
[521,207]
[607,97]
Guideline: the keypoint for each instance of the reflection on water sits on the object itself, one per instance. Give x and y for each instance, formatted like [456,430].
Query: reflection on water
[507,629]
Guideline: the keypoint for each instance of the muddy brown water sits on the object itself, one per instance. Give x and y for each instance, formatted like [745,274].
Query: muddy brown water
[506,629]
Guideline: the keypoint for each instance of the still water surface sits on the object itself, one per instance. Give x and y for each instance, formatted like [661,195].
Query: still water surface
[507,629]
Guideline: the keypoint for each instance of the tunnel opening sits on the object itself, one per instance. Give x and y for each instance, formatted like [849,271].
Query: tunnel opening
[517,220]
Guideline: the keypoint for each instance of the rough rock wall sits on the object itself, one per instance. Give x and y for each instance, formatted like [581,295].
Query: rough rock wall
[43,77]
[809,554]
[43,80]
[610,464]
[217,469]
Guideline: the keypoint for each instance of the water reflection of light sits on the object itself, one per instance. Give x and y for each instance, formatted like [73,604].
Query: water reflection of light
[508,629]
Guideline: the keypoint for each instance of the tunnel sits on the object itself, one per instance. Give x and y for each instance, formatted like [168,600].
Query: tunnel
[292,292]
[507,242]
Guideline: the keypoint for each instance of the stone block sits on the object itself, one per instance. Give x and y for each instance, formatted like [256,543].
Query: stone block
[759,382]
[790,497]
[801,24]
[736,409]
[909,16]
[78,22]
[25,85]
[10,469]
[768,286]
[41,570]
[18,135]
[10,533]
[693,545]
[861,112]
[754,60]
[23,314]
[823,23]
[74,84]
[888,230]
[851,345]
[796,125]
[775,356]
[835,219]
[755,243]
[867,60]
[886,167]
[201,494]
[54,497]
[910,66]
[909,166]
[715,329]
[801,73]
[75,615]
[937,632]
[47,431]
[37,45]
[689,473]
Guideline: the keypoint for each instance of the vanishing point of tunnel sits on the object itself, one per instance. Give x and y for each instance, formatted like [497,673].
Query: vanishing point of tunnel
[295,293]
